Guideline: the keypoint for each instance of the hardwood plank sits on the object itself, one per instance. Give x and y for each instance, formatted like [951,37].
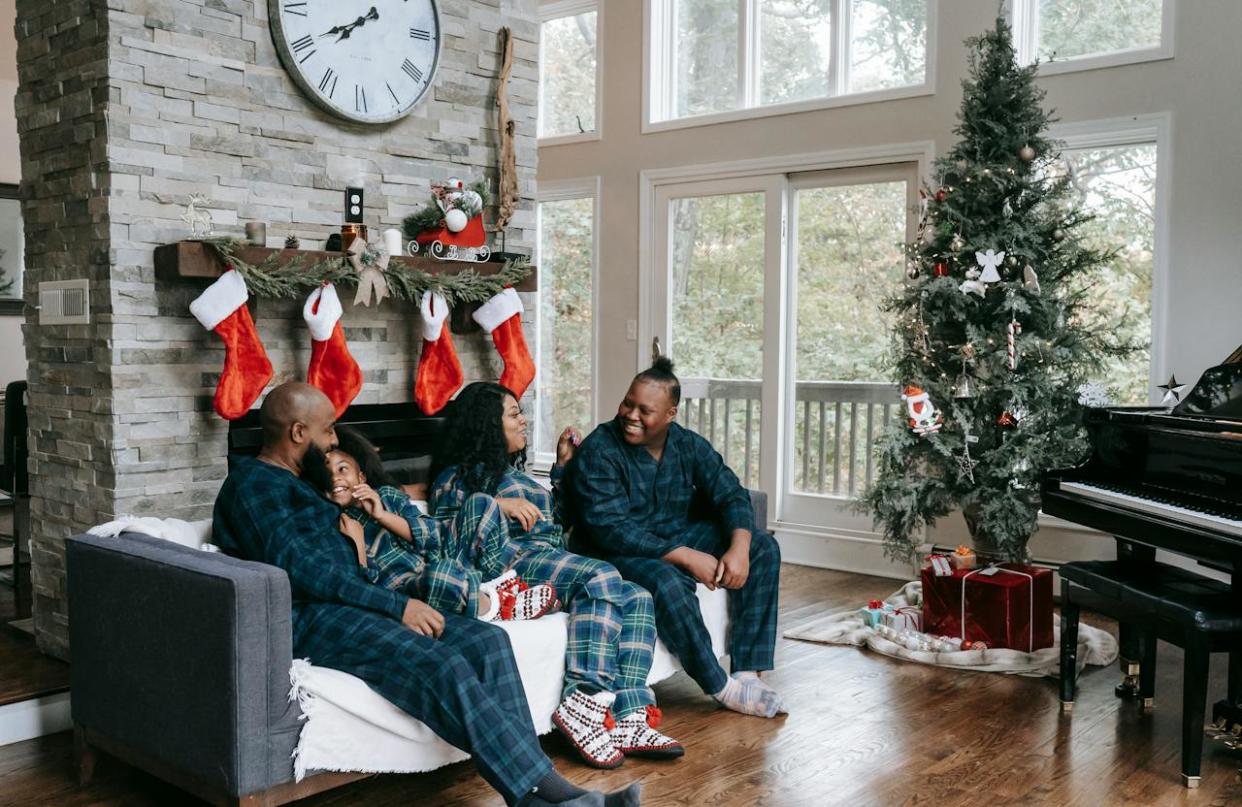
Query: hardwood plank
[864,730]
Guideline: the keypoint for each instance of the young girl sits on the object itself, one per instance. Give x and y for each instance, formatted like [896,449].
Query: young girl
[401,549]
[612,632]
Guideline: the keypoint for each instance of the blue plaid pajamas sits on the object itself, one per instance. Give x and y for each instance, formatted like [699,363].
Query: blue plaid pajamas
[465,686]
[611,622]
[631,510]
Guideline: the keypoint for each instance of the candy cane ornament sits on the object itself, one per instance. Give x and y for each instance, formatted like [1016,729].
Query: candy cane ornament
[1011,331]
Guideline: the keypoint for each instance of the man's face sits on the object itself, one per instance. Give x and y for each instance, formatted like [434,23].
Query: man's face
[645,413]
[315,436]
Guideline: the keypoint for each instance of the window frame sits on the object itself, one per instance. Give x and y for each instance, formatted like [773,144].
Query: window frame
[1024,15]
[564,191]
[659,50]
[555,10]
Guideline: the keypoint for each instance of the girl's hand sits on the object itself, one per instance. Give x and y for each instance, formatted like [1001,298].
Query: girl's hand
[521,511]
[366,498]
[353,530]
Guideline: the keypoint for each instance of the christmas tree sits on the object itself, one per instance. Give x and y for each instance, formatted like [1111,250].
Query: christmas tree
[996,331]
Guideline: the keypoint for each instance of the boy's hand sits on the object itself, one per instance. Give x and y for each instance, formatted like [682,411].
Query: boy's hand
[733,568]
[566,445]
[366,498]
[699,565]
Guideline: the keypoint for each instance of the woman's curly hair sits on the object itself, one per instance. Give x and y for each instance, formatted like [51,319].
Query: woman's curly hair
[352,442]
[473,440]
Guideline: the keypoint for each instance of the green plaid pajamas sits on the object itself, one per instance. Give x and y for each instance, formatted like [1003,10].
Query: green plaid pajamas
[611,621]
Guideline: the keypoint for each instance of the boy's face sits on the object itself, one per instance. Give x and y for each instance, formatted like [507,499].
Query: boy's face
[345,477]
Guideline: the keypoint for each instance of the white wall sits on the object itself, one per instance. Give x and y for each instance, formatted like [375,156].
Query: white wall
[1198,88]
[12,355]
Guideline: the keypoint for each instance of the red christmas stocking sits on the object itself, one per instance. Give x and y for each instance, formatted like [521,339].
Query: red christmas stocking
[222,308]
[501,316]
[332,368]
[439,371]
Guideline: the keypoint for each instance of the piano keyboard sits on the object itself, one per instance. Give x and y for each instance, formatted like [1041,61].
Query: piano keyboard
[1175,512]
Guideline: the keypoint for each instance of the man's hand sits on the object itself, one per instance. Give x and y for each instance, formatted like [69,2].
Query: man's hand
[366,498]
[521,511]
[699,565]
[733,568]
[423,619]
[566,445]
[353,530]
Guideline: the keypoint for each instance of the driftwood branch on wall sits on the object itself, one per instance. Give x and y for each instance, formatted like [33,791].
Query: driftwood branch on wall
[507,199]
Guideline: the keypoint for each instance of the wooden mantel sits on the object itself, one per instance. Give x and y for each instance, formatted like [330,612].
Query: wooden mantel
[193,259]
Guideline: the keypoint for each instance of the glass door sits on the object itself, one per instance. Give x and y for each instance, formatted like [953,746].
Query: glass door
[845,257]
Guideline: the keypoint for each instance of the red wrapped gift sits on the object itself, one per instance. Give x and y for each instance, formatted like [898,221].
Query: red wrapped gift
[1009,605]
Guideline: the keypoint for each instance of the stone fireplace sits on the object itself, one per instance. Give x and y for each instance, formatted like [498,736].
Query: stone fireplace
[127,107]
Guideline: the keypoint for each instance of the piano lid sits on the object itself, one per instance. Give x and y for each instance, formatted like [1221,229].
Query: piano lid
[1218,394]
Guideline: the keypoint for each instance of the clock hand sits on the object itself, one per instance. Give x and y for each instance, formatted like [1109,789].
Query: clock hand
[343,31]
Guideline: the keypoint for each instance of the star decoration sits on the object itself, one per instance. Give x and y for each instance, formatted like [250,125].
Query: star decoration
[990,260]
[1172,391]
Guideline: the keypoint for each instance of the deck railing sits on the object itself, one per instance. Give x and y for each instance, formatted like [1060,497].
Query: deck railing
[836,424]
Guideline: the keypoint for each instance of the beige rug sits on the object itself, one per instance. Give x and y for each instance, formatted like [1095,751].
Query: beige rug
[1095,647]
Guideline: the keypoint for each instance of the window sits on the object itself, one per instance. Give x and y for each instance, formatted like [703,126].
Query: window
[569,70]
[725,56]
[1117,185]
[565,344]
[1080,34]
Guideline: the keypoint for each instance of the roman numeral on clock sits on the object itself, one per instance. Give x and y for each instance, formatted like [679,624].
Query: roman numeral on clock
[360,98]
[419,33]
[395,99]
[413,72]
[296,9]
[301,45]
[328,82]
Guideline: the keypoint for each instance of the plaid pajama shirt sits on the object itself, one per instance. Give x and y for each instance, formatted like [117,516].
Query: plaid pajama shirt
[611,621]
[631,510]
[464,686]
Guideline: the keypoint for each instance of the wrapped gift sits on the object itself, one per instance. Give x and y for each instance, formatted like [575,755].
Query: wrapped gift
[1009,605]
[940,565]
[904,617]
[964,558]
[873,614]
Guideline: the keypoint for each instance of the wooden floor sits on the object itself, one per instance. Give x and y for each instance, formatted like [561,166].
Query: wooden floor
[25,673]
[864,730]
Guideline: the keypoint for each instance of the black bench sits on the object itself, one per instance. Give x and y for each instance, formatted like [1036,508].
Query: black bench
[1158,601]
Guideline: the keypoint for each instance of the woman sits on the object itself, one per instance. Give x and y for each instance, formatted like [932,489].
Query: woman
[611,622]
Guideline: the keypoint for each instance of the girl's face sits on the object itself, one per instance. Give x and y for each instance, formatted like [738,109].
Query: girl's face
[345,477]
[514,424]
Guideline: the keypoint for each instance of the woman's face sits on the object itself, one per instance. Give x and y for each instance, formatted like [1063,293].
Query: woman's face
[513,422]
[345,477]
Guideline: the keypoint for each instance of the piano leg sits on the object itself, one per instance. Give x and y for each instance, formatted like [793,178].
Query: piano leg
[1147,671]
[1130,638]
[1194,703]
[1069,648]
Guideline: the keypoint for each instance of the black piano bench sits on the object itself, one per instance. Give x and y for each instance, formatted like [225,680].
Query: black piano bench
[1196,613]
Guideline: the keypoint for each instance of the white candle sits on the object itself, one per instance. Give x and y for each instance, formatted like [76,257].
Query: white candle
[392,241]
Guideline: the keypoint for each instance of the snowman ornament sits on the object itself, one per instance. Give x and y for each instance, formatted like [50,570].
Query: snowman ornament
[921,414]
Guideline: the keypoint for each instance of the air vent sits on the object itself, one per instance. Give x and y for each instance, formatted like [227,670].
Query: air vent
[64,302]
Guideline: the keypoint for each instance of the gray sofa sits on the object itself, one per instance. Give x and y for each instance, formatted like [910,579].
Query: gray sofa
[181,667]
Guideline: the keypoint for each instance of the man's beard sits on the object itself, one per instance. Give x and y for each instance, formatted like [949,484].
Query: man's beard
[315,468]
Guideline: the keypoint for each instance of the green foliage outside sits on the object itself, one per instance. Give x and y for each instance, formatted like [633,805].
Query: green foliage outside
[1070,28]
[567,76]
[986,196]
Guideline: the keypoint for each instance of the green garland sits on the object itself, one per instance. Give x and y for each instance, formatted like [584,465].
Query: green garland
[297,277]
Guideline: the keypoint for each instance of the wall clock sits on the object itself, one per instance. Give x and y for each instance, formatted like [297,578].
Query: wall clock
[368,61]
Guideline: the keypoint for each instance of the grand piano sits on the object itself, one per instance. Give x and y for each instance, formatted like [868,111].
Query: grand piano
[1161,478]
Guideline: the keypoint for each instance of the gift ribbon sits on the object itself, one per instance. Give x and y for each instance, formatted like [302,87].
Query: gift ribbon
[1030,611]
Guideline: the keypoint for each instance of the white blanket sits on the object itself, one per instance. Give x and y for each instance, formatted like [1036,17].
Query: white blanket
[350,727]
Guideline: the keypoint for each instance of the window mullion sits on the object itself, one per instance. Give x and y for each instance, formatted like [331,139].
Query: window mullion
[838,74]
[746,54]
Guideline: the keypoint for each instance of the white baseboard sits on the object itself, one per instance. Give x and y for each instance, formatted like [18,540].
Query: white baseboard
[845,553]
[26,720]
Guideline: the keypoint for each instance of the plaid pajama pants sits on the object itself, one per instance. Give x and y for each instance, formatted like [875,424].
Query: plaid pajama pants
[611,625]
[464,686]
[752,608]
[474,548]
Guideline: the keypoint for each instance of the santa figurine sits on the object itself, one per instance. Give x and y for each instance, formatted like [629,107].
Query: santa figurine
[922,415]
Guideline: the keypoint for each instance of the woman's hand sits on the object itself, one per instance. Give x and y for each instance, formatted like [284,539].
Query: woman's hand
[521,511]
[353,530]
[366,498]
[423,619]
[566,445]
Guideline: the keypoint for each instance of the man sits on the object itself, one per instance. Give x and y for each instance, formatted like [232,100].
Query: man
[631,486]
[453,673]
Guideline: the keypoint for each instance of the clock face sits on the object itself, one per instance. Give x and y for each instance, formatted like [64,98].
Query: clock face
[363,60]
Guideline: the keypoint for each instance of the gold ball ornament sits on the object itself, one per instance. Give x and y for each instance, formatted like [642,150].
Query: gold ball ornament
[912,270]
[1026,153]
[1058,234]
